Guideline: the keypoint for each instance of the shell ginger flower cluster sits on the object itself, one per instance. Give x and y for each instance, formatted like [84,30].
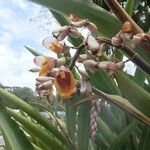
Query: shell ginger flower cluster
[92,53]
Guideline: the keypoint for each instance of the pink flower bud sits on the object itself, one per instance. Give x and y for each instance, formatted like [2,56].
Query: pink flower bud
[116,40]
[82,58]
[34,70]
[61,33]
[120,65]
[91,65]
[79,24]
[107,66]
[43,79]
[92,27]
[74,32]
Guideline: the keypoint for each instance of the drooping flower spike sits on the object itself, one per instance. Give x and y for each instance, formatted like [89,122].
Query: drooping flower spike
[54,45]
[44,86]
[65,83]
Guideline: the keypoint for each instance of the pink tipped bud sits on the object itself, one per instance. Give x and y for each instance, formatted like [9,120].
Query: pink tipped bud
[74,32]
[82,58]
[120,65]
[116,40]
[143,39]
[46,85]
[34,70]
[91,65]
[126,36]
[61,33]
[92,27]
[43,79]
[79,24]
[53,72]
[136,40]
[107,66]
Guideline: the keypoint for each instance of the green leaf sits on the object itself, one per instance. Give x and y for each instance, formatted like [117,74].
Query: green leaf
[144,140]
[103,82]
[129,7]
[103,19]
[110,118]
[120,139]
[33,51]
[139,77]
[14,137]
[37,131]
[71,112]
[83,126]
[123,104]
[105,131]
[34,114]
[138,97]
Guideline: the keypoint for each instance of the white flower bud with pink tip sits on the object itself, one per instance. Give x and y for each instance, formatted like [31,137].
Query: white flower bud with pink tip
[79,24]
[126,36]
[85,23]
[116,40]
[43,79]
[34,70]
[74,32]
[142,38]
[91,65]
[107,66]
[46,85]
[61,33]
[82,58]
[53,72]
[120,65]
[92,27]
[93,45]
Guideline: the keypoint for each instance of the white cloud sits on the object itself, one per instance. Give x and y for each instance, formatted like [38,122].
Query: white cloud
[14,69]
[15,61]
[20,3]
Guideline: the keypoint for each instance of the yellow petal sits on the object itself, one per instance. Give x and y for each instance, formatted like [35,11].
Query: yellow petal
[56,46]
[47,66]
[65,83]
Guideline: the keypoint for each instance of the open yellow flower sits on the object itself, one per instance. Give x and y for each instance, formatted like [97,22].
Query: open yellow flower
[46,64]
[53,44]
[65,83]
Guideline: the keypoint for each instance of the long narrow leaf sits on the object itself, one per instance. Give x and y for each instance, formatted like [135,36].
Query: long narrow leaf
[14,137]
[37,131]
[83,126]
[138,97]
[117,143]
[34,114]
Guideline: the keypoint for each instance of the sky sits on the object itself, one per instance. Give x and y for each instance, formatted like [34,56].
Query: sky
[22,23]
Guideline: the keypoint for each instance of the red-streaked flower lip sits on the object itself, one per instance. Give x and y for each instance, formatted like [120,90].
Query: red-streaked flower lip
[65,83]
